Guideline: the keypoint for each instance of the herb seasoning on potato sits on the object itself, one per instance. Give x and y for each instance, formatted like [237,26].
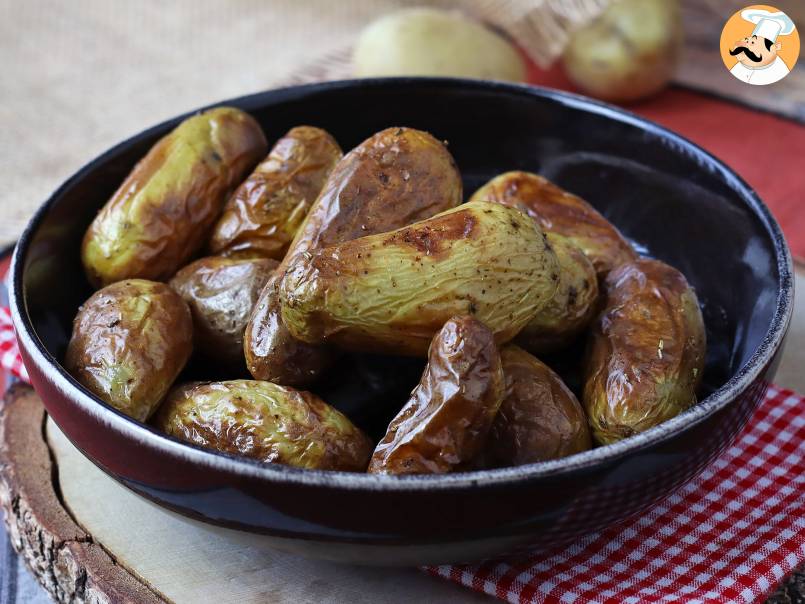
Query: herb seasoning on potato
[163,212]
[445,423]
[646,351]
[539,419]
[130,340]
[270,423]
[265,212]
[394,178]
[392,292]
[221,293]
[558,211]
[570,309]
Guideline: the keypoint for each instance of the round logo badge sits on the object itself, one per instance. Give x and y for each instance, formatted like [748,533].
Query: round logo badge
[759,44]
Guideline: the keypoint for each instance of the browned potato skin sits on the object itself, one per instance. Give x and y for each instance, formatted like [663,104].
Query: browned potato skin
[163,212]
[558,211]
[267,422]
[395,177]
[130,340]
[221,293]
[646,351]
[539,419]
[572,307]
[444,424]
[265,212]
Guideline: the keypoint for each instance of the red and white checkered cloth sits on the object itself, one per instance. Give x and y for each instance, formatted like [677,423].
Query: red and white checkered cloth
[731,535]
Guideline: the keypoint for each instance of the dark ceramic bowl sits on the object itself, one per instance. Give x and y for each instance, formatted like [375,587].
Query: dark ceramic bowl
[674,200]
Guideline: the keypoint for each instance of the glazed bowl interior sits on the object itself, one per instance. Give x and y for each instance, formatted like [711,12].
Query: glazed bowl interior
[671,199]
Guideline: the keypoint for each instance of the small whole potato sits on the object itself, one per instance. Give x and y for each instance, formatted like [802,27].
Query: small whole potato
[539,419]
[221,293]
[267,422]
[432,42]
[130,341]
[444,424]
[646,351]
[570,309]
[563,213]
[265,212]
[630,52]
[391,292]
[163,212]
[393,178]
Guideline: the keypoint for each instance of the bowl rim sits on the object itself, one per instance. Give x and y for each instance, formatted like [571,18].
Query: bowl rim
[746,375]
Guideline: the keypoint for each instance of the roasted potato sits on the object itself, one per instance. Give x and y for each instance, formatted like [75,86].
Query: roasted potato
[539,419]
[391,292]
[163,212]
[394,178]
[221,293]
[130,340]
[444,424]
[267,422]
[560,212]
[262,216]
[646,351]
[570,309]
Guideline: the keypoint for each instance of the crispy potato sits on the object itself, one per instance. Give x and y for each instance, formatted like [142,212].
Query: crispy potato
[539,419]
[646,351]
[221,293]
[266,422]
[262,216]
[130,340]
[391,292]
[558,211]
[570,309]
[444,424]
[394,178]
[163,212]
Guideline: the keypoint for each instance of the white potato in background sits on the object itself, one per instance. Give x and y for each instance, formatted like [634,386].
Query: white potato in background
[432,42]
[630,52]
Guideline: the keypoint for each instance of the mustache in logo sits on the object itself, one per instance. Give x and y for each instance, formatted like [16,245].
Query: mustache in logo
[743,49]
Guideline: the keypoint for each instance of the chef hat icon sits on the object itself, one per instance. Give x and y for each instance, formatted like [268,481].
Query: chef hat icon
[768,25]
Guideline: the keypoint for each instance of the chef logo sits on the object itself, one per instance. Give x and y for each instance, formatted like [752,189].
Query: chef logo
[759,45]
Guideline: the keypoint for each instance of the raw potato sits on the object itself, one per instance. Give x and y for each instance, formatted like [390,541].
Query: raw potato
[221,293]
[444,424]
[570,309]
[270,423]
[432,42]
[539,419]
[394,178]
[163,212]
[630,52]
[391,292]
[646,352]
[265,212]
[130,340]
[558,211]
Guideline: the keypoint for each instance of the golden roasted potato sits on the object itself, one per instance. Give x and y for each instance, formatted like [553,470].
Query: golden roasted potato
[163,212]
[539,419]
[646,351]
[262,216]
[394,178]
[221,293]
[266,422]
[570,309]
[391,292]
[130,340]
[558,211]
[444,424]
